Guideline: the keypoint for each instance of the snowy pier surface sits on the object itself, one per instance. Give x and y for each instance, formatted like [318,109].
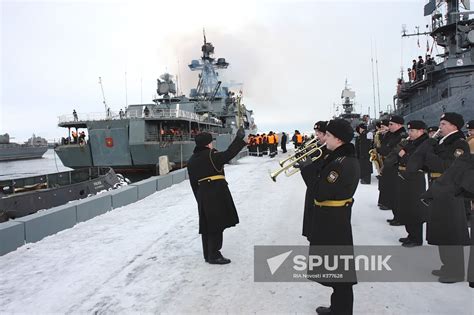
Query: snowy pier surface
[146,257]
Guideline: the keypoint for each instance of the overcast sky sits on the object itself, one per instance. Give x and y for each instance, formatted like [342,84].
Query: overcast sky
[291,56]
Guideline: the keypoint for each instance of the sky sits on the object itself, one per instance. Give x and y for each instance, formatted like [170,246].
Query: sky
[292,57]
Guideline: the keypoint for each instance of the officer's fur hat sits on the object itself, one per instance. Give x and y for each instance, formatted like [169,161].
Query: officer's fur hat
[416,124]
[320,126]
[341,129]
[397,119]
[203,139]
[453,118]
[470,124]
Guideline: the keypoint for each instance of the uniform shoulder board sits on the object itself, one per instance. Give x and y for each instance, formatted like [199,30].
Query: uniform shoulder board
[458,152]
[340,159]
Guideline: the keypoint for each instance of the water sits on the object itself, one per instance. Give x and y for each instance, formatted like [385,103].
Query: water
[50,163]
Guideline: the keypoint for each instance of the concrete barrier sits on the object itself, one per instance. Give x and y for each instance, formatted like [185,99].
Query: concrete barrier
[12,236]
[178,176]
[91,207]
[124,196]
[39,225]
[146,187]
[164,181]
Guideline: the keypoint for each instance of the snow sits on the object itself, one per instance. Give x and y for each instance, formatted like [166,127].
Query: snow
[146,257]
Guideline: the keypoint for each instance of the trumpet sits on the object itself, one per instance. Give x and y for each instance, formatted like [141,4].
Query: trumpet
[308,145]
[290,168]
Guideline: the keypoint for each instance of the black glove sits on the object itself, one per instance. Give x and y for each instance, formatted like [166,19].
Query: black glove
[240,133]
[303,163]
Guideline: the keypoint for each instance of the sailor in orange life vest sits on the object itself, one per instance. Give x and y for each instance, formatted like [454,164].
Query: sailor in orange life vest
[215,205]
[335,188]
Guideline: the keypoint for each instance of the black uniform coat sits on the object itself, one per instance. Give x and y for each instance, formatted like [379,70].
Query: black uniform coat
[447,224]
[388,184]
[412,184]
[337,180]
[310,175]
[215,205]
[363,146]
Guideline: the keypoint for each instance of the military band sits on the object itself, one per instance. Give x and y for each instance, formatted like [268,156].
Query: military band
[406,163]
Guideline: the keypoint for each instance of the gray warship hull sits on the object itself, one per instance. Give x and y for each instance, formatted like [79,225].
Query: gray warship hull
[444,85]
[134,140]
[12,153]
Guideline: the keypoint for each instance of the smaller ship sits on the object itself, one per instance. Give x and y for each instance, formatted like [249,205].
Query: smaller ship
[23,196]
[34,148]
[347,95]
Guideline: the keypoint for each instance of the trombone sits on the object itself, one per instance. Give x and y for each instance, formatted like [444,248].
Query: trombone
[290,168]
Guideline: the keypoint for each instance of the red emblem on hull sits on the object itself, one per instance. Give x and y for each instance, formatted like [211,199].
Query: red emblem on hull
[109,142]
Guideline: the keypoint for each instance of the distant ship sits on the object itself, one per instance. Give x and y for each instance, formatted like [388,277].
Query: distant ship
[348,113]
[446,86]
[132,141]
[34,148]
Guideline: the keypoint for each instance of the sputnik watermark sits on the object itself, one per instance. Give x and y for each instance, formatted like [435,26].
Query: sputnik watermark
[331,263]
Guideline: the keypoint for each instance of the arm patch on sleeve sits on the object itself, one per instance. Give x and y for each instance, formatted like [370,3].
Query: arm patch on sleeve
[458,152]
[332,177]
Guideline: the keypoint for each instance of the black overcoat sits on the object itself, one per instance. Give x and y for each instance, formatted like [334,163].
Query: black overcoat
[447,224]
[363,146]
[337,180]
[412,185]
[310,175]
[215,204]
[388,181]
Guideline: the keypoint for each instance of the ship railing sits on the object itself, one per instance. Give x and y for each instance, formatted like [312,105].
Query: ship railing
[166,113]
[160,114]
[88,116]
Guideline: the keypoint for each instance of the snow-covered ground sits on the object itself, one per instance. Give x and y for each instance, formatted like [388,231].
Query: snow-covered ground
[146,257]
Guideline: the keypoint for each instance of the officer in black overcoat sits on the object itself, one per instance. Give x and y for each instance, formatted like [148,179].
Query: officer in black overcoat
[447,225]
[412,212]
[389,178]
[363,146]
[335,188]
[215,205]
[309,172]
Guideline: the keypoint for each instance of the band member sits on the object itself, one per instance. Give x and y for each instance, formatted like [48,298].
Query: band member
[389,178]
[432,131]
[215,205]
[362,146]
[447,229]
[335,187]
[310,172]
[412,183]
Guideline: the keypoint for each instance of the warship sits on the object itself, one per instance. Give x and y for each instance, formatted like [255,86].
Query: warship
[349,114]
[133,140]
[445,85]
[34,148]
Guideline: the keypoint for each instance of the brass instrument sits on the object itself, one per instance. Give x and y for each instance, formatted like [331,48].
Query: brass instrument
[307,145]
[376,159]
[290,168]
